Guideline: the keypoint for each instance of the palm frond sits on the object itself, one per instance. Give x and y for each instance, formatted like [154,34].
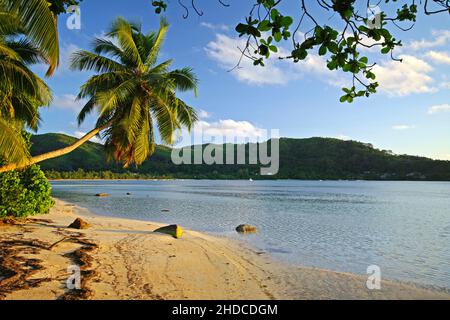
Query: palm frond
[158,42]
[26,109]
[116,97]
[9,23]
[142,144]
[184,79]
[19,77]
[102,46]
[166,119]
[88,107]
[186,115]
[27,51]
[86,61]
[161,68]
[133,123]
[101,82]
[7,51]
[122,30]
[40,24]
[12,145]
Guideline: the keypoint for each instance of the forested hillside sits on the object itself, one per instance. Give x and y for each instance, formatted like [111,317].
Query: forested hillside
[313,158]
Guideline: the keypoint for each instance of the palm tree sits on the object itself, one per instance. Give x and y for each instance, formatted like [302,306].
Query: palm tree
[131,93]
[21,91]
[34,23]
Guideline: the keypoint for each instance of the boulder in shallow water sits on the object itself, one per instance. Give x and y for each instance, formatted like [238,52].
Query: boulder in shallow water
[102,195]
[173,230]
[245,228]
[79,224]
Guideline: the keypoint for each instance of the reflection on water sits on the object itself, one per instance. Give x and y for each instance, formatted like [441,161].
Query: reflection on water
[403,227]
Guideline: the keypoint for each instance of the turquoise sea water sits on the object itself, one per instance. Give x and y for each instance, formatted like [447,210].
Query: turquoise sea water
[403,227]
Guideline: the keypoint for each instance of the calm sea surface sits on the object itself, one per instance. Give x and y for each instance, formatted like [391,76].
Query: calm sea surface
[403,227]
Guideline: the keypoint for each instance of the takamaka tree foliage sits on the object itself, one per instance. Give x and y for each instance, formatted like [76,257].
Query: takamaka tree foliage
[361,24]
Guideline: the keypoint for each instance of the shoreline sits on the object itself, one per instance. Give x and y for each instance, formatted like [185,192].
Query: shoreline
[123,259]
[254,180]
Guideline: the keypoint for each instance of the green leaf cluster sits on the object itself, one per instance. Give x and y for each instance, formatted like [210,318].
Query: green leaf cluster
[24,193]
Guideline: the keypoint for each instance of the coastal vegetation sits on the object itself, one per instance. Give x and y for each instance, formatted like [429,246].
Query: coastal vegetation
[314,158]
[24,192]
[28,35]
[133,92]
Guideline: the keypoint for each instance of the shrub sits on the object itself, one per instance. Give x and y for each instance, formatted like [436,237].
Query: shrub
[24,193]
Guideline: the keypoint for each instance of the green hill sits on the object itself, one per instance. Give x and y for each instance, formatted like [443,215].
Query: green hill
[313,158]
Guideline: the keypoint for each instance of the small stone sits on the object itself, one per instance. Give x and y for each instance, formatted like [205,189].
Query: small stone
[173,230]
[79,224]
[245,228]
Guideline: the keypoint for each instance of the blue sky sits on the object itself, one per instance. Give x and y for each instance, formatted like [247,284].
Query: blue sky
[410,114]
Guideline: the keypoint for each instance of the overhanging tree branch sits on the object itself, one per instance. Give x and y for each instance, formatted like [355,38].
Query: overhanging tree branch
[266,27]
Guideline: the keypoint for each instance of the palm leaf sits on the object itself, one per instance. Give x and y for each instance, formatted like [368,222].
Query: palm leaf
[123,31]
[184,79]
[85,60]
[40,24]
[187,116]
[26,51]
[158,42]
[12,146]
[88,107]
[9,23]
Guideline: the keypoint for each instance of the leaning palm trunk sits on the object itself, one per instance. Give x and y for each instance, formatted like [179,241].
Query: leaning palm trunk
[53,154]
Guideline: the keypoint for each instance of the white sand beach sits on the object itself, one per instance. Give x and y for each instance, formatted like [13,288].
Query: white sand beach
[124,259]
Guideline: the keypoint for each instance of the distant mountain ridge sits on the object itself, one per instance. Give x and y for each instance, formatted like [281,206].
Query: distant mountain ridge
[309,159]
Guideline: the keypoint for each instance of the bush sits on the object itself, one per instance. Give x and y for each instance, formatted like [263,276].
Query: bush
[24,193]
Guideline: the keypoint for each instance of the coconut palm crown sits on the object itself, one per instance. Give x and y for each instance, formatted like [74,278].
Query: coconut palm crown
[133,92]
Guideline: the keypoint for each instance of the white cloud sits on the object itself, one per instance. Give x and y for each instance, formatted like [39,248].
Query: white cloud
[404,78]
[317,65]
[230,128]
[202,114]
[445,85]
[223,131]
[440,38]
[68,102]
[65,57]
[439,108]
[439,57]
[402,127]
[221,27]
[224,50]
[80,134]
